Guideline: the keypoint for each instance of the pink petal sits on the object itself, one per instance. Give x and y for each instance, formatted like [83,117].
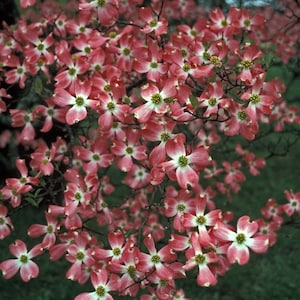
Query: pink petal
[245,226]
[29,270]
[186,176]
[205,276]
[238,253]
[76,114]
[258,244]
[164,272]
[18,248]
[9,268]
[86,296]
[223,233]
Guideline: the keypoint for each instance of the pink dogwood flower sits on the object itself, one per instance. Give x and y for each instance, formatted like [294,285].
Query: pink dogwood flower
[103,284]
[28,268]
[244,238]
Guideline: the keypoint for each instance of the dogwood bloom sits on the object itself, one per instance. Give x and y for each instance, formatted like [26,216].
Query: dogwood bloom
[244,238]
[28,268]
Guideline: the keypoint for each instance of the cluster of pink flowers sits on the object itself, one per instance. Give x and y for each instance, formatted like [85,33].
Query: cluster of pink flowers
[139,106]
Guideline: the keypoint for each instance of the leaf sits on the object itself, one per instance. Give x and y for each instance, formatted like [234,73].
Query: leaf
[194,101]
[38,86]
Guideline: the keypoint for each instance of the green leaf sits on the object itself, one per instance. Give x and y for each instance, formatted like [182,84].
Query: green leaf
[194,101]
[38,86]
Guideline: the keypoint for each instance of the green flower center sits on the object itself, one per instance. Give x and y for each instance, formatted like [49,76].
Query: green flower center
[206,55]
[156,99]
[212,101]
[96,157]
[79,255]
[183,52]
[110,106]
[79,101]
[247,22]
[2,221]
[72,71]
[224,22]
[240,238]
[164,136]
[183,161]
[193,32]
[112,34]
[40,47]
[153,65]
[78,196]
[131,271]
[153,23]
[186,67]
[180,207]
[116,251]
[23,259]
[23,180]
[214,60]
[246,64]
[100,291]
[126,51]
[199,259]
[104,204]
[155,259]
[87,49]
[49,229]
[242,115]
[106,88]
[20,70]
[101,3]
[201,220]
[129,150]
[254,99]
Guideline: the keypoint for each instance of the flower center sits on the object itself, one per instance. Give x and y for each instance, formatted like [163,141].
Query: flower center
[100,291]
[201,220]
[242,115]
[40,47]
[49,229]
[155,259]
[79,255]
[199,259]
[183,161]
[78,196]
[186,67]
[153,65]
[247,22]
[254,99]
[156,99]
[96,157]
[20,70]
[131,270]
[240,238]
[23,259]
[79,101]
[101,3]
[110,106]
[153,23]
[246,64]
[129,150]
[116,251]
[212,101]
[72,71]
[164,136]
[126,51]
[2,221]
[180,207]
